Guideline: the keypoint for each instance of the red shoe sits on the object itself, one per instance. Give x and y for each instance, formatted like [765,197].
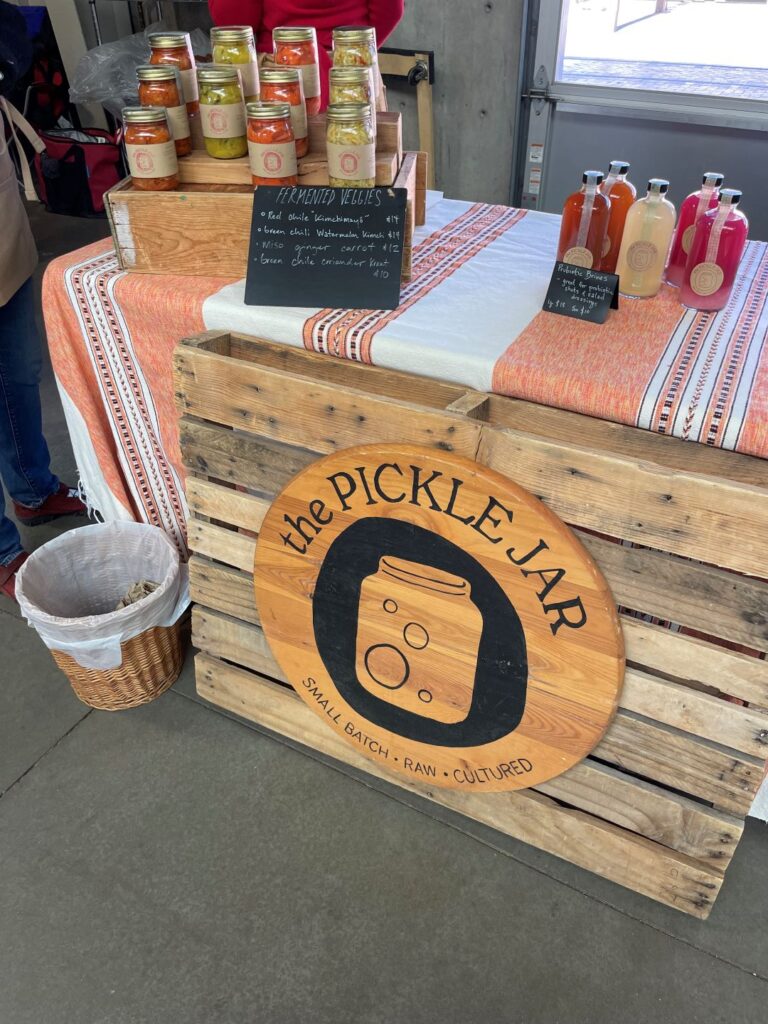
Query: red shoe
[8,575]
[64,502]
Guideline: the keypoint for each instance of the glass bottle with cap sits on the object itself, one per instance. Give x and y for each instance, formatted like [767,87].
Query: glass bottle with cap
[351,85]
[720,236]
[149,149]
[622,193]
[297,47]
[355,46]
[175,48]
[693,206]
[351,144]
[271,147]
[222,112]
[234,44]
[285,85]
[645,243]
[160,86]
[584,224]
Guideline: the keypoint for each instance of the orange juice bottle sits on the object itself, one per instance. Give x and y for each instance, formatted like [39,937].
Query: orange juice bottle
[622,194]
[584,224]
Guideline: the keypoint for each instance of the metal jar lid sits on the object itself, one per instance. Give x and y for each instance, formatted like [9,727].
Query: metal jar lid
[351,75]
[292,34]
[157,72]
[168,40]
[281,74]
[144,115]
[218,74]
[354,34]
[231,34]
[268,111]
[346,112]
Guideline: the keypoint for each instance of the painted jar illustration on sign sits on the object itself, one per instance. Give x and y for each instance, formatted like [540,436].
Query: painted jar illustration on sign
[418,636]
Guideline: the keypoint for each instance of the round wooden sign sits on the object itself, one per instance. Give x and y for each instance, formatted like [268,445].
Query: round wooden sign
[438,617]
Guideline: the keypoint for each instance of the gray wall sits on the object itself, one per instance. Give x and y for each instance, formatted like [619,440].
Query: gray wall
[477,46]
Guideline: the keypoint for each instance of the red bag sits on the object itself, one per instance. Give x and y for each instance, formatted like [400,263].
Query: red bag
[76,169]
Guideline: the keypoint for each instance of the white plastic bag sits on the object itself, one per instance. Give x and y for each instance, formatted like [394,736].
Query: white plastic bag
[68,589]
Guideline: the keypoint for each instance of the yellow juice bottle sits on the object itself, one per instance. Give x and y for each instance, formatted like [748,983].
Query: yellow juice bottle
[645,242]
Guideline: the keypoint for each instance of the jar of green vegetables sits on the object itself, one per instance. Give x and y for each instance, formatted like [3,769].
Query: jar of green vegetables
[351,145]
[222,112]
[234,44]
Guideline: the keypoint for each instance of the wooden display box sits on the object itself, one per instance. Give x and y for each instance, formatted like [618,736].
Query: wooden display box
[204,229]
[659,806]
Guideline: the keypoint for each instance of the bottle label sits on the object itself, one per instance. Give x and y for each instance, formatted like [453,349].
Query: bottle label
[688,234]
[578,256]
[249,77]
[299,120]
[189,85]
[273,159]
[223,120]
[310,74]
[353,163]
[179,122]
[154,160]
[641,256]
[706,278]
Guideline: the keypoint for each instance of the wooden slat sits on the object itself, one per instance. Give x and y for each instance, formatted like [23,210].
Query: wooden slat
[225,503]
[199,168]
[704,517]
[293,410]
[668,818]
[659,752]
[221,545]
[631,860]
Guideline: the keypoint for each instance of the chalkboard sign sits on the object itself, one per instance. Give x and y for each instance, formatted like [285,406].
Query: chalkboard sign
[581,293]
[322,246]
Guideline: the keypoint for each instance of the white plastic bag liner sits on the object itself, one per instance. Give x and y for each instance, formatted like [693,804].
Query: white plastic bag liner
[69,588]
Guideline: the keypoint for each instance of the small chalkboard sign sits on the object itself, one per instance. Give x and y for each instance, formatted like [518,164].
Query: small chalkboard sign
[322,246]
[581,293]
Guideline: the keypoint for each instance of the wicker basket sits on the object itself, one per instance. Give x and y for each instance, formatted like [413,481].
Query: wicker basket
[151,663]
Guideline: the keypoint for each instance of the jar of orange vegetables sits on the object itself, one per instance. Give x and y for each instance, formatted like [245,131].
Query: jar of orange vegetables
[160,86]
[271,147]
[297,47]
[284,85]
[150,149]
[176,49]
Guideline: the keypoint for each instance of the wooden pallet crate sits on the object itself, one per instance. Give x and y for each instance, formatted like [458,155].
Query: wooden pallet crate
[659,805]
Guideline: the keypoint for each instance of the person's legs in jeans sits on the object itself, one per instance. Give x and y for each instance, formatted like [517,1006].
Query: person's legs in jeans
[24,458]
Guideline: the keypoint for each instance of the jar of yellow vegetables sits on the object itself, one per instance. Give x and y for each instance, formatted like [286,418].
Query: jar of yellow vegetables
[222,112]
[351,85]
[351,144]
[234,44]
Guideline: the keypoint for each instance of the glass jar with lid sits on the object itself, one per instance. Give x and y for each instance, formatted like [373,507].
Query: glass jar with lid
[285,85]
[355,46]
[297,47]
[149,149]
[160,86]
[234,44]
[351,143]
[222,112]
[271,146]
[175,48]
[351,84]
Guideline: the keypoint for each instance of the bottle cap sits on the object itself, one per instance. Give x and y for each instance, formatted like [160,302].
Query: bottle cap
[713,178]
[592,177]
[619,167]
[732,196]
[659,185]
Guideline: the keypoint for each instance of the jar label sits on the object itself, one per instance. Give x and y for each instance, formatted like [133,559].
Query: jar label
[249,76]
[310,74]
[152,160]
[352,163]
[641,256]
[223,120]
[706,278]
[179,121]
[189,85]
[272,159]
[687,241]
[578,256]
[299,120]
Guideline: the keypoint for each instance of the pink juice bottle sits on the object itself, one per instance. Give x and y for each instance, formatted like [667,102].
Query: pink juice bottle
[718,245]
[694,206]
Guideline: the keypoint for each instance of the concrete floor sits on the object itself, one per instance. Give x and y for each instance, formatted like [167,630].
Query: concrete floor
[169,865]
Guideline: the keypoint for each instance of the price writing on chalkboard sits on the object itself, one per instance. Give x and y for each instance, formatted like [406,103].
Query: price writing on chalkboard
[338,247]
[581,293]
